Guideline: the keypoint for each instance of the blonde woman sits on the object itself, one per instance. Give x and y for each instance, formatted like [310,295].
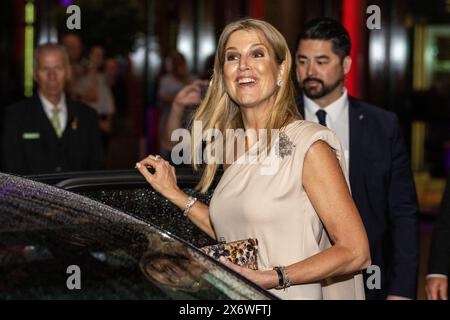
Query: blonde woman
[312,242]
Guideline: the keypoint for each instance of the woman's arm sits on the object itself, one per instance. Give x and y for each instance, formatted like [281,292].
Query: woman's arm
[164,181]
[329,194]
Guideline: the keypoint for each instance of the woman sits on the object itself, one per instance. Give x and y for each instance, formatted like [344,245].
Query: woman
[303,215]
[93,90]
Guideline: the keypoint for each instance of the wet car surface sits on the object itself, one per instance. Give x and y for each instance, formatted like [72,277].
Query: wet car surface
[128,191]
[47,232]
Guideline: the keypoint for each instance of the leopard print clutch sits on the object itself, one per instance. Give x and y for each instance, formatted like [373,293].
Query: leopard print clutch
[241,252]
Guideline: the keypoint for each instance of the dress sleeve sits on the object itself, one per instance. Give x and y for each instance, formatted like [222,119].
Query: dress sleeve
[314,132]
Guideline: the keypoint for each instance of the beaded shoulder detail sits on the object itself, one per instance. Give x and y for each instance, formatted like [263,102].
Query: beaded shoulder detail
[285,146]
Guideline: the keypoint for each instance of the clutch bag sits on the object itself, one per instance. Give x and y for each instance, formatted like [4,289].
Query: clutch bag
[241,252]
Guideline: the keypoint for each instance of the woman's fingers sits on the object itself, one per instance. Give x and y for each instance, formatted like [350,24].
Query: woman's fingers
[145,173]
[163,180]
[231,265]
[150,161]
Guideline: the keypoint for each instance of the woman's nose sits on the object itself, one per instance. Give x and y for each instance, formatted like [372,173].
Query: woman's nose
[243,65]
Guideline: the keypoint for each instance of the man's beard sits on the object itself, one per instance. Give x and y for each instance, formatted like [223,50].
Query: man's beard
[322,90]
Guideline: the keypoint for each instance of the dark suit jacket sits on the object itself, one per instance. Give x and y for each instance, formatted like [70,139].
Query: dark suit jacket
[384,192]
[439,261]
[30,144]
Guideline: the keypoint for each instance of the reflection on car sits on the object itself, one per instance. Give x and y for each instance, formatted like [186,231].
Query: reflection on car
[47,232]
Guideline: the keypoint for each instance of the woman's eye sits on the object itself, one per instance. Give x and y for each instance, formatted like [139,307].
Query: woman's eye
[258,54]
[231,57]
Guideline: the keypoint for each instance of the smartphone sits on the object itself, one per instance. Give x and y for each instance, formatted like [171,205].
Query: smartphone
[203,90]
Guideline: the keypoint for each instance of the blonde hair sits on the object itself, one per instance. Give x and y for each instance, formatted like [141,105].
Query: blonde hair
[219,111]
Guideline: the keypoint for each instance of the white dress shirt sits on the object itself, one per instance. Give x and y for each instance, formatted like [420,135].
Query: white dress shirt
[337,119]
[62,106]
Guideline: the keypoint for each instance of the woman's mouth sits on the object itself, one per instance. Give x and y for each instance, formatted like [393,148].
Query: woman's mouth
[246,81]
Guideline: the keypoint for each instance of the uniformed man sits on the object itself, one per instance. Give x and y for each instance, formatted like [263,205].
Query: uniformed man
[49,133]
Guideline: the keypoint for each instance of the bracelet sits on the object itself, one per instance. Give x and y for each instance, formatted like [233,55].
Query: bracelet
[189,204]
[283,278]
[287,281]
[280,278]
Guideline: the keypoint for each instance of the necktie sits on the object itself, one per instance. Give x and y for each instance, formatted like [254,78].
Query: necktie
[55,122]
[321,115]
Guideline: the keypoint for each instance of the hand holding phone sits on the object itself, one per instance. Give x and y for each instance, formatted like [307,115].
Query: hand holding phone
[203,90]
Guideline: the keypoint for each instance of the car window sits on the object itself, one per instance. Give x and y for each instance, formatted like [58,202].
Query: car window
[150,206]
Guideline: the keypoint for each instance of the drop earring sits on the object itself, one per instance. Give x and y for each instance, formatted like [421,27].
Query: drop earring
[279,83]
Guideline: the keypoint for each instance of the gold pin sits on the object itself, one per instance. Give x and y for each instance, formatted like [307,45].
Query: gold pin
[74,123]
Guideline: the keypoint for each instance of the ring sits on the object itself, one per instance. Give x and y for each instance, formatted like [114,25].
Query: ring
[156,157]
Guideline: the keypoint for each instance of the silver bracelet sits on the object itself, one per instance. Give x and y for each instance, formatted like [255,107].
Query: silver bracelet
[189,204]
[287,282]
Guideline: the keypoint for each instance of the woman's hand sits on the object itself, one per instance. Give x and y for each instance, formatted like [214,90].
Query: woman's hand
[265,279]
[164,180]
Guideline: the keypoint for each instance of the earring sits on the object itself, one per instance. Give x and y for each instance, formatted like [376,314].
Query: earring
[279,83]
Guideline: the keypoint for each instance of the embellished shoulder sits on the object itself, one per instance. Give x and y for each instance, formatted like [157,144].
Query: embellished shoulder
[285,146]
[303,134]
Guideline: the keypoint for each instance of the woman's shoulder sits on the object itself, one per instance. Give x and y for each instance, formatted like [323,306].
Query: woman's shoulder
[303,134]
[305,130]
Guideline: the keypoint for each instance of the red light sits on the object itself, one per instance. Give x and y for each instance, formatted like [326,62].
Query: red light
[352,21]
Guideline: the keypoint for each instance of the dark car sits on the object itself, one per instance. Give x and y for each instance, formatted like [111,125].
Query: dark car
[55,244]
[129,192]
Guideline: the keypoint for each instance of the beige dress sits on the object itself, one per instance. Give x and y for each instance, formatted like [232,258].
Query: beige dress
[272,206]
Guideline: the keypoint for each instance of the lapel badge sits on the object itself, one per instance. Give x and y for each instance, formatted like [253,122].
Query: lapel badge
[74,123]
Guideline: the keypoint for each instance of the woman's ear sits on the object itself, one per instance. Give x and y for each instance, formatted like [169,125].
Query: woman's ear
[281,69]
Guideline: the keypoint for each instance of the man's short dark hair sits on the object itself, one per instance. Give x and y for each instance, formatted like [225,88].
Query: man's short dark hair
[328,29]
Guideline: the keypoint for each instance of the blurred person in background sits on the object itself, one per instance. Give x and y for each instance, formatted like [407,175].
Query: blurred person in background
[379,168]
[93,90]
[182,110]
[183,107]
[175,76]
[114,76]
[49,133]
[439,262]
[74,47]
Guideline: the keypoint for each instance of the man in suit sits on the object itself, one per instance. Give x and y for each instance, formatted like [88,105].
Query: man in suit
[439,263]
[379,169]
[47,133]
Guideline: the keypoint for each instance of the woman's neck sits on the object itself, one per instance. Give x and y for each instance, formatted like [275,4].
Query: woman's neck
[254,118]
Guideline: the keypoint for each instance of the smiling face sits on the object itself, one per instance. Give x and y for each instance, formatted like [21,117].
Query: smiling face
[320,72]
[250,70]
